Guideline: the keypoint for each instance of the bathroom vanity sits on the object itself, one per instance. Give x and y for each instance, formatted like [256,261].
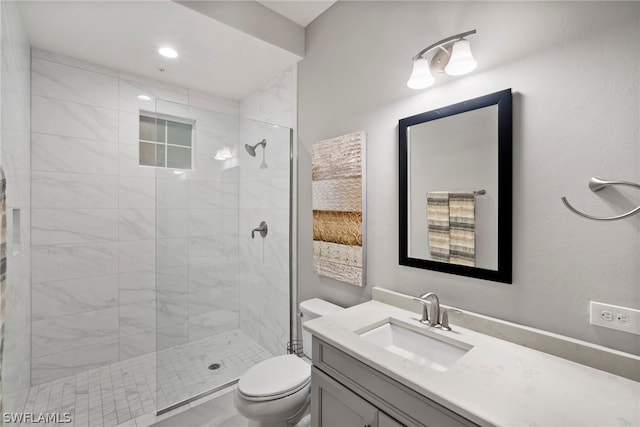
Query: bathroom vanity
[374,364]
[347,392]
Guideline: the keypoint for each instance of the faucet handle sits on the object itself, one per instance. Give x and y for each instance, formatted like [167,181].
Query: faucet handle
[425,311]
[445,318]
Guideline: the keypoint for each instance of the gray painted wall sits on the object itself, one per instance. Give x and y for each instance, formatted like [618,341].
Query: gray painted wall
[574,70]
[255,19]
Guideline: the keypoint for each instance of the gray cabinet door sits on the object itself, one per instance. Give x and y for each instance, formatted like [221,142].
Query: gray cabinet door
[386,421]
[333,405]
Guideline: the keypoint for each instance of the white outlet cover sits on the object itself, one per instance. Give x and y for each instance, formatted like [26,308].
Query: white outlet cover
[622,318]
[606,315]
[632,316]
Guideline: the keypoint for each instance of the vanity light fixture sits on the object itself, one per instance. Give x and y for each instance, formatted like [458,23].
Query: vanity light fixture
[168,52]
[453,57]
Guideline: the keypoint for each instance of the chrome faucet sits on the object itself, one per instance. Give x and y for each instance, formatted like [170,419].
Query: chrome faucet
[431,317]
[434,312]
[425,313]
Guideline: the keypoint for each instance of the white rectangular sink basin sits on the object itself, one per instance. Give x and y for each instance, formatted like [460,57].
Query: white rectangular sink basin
[418,345]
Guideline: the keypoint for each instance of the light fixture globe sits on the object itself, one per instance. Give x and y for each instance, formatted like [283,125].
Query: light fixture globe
[421,76]
[462,61]
[226,153]
[168,52]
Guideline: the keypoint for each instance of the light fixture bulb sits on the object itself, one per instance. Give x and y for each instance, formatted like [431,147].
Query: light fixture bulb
[220,155]
[226,153]
[421,76]
[144,97]
[168,52]
[462,61]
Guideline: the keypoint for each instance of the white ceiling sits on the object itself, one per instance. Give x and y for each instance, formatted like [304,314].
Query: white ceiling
[125,35]
[301,11]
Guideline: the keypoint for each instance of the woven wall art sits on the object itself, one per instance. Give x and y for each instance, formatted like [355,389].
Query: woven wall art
[338,195]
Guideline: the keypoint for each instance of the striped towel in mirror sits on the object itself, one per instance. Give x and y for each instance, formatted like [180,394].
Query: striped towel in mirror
[438,225]
[462,228]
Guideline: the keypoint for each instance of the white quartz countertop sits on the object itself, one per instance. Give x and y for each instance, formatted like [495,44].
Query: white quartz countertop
[496,382]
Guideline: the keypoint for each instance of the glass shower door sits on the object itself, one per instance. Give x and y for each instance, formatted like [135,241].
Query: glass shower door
[207,304]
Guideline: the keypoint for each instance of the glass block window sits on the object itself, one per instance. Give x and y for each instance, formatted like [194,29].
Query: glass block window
[165,142]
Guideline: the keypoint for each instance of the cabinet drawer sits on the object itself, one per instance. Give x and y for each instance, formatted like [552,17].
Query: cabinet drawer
[399,401]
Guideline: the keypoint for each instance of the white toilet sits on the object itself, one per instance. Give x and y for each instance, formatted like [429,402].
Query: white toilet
[276,391]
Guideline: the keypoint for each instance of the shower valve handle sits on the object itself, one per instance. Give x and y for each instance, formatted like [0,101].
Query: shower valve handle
[263,229]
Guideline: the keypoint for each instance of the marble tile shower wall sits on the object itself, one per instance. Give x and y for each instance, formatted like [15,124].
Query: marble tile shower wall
[102,225]
[16,164]
[197,246]
[263,281]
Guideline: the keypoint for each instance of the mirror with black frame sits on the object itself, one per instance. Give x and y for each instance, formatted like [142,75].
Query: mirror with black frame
[455,188]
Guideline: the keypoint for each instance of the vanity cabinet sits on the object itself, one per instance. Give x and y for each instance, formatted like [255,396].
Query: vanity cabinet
[335,405]
[346,392]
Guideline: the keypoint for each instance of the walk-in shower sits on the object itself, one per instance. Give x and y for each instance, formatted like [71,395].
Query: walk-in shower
[147,290]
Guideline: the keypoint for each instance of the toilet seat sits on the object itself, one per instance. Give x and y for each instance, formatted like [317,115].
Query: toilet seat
[275,378]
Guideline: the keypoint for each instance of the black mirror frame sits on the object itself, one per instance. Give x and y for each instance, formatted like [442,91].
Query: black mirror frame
[503,100]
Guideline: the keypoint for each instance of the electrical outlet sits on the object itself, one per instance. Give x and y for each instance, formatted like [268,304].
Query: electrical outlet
[615,317]
[606,315]
[622,318]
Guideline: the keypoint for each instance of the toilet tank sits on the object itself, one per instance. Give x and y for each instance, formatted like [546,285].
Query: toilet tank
[312,309]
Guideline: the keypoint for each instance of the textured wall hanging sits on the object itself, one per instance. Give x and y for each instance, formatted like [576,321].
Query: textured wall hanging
[338,194]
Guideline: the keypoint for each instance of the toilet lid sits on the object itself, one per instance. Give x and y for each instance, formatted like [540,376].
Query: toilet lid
[275,377]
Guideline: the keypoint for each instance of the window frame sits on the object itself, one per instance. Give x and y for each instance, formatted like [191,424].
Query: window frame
[167,118]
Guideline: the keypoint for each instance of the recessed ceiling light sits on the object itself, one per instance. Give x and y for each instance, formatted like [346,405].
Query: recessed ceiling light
[168,52]
[144,97]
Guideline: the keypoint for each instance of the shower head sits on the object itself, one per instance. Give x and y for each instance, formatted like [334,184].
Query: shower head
[251,149]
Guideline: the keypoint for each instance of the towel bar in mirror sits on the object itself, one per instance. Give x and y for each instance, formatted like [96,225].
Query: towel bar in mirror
[446,154]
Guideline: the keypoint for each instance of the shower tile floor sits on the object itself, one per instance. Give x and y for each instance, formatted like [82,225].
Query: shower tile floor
[124,393]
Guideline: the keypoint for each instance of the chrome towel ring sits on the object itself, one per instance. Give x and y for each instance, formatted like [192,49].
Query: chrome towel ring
[597,184]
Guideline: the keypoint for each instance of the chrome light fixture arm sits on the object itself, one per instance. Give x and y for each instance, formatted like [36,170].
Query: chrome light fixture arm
[443,42]
[596,184]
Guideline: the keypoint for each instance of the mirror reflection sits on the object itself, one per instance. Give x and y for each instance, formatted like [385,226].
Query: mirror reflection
[453,189]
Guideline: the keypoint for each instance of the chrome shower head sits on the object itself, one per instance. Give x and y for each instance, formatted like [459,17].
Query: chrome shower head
[251,149]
